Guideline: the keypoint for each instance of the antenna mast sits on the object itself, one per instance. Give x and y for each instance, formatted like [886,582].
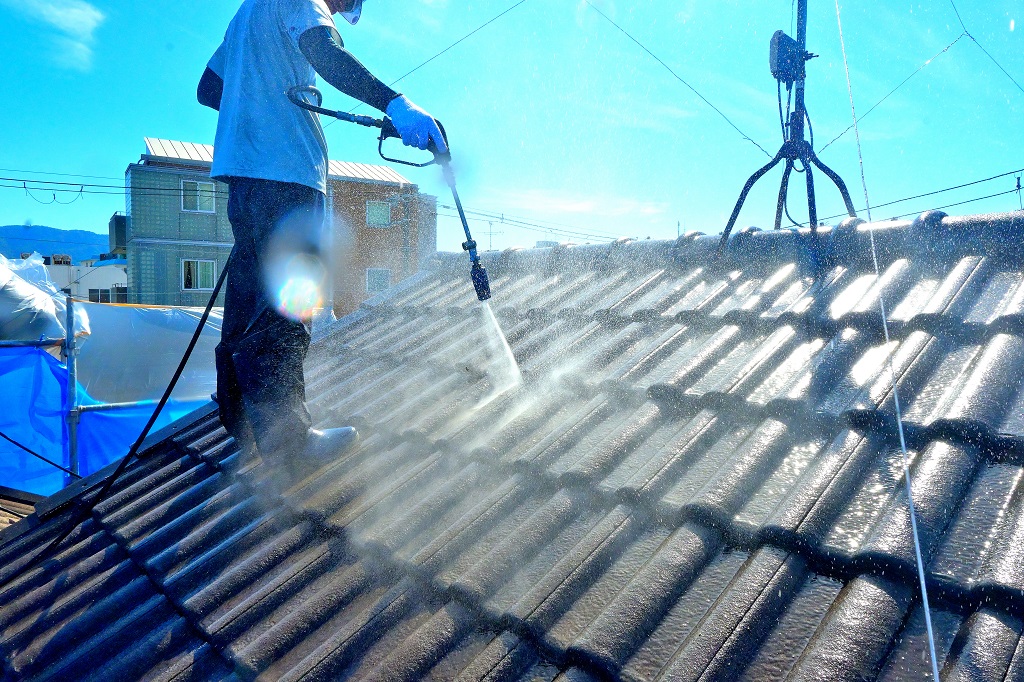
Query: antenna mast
[787,60]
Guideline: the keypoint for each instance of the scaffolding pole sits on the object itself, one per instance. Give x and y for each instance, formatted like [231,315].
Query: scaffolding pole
[70,354]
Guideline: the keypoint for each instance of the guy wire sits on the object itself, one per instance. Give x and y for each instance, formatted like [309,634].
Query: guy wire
[892,370]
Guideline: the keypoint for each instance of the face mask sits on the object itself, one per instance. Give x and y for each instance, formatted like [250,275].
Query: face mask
[353,16]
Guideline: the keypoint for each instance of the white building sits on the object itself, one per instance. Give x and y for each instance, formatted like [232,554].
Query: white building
[99,281]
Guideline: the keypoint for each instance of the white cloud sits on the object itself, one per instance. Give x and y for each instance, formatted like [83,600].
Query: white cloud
[75,23]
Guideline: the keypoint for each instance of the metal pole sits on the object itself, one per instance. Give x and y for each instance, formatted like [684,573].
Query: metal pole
[70,352]
[796,119]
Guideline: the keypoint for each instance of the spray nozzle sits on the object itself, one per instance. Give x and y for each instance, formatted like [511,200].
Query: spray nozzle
[478,274]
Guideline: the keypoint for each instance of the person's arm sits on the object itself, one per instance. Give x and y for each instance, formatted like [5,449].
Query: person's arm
[210,90]
[325,51]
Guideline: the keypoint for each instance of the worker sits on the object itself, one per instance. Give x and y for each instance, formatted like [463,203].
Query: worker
[273,156]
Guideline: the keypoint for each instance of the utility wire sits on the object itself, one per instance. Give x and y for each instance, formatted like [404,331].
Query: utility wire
[679,78]
[982,47]
[939,191]
[154,192]
[15,443]
[122,188]
[892,371]
[422,64]
[902,83]
[159,190]
[48,241]
[471,33]
[66,175]
[539,230]
[959,203]
[958,16]
[508,219]
[529,227]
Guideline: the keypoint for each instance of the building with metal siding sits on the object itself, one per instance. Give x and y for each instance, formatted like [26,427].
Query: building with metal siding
[178,236]
[162,233]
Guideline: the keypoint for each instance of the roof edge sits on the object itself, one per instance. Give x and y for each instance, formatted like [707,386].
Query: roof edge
[48,506]
[932,234]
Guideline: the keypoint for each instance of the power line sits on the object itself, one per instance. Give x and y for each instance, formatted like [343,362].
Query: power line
[902,83]
[156,191]
[538,228]
[66,175]
[680,79]
[958,16]
[506,220]
[938,191]
[422,64]
[46,241]
[982,47]
[95,188]
[54,200]
[122,188]
[150,192]
[960,203]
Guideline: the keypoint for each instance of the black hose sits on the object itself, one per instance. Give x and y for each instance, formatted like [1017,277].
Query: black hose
[15,443]
[86,510]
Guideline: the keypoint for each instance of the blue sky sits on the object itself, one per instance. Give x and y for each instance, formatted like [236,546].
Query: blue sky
[554,115]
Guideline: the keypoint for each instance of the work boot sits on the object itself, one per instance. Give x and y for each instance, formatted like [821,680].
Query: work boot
[322,448]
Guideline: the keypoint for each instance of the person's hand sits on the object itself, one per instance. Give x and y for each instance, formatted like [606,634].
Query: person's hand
[416,126]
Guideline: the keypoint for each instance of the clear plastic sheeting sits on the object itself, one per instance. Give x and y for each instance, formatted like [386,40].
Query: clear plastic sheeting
[124,359]
[31,307]
[133,351]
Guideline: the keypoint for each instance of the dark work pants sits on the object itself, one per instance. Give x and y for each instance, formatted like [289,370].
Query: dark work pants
[260,387]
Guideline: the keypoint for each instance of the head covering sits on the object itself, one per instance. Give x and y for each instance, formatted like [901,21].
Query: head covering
[353,16]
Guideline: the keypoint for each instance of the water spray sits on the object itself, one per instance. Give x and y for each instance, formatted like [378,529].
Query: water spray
[477,272]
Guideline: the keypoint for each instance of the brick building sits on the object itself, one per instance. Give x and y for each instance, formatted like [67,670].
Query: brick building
[177,234]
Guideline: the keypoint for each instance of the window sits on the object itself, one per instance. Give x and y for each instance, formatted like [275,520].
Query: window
[377,280]
[378,214]
[118,294]
[198,275]
[197,197]
[99,295]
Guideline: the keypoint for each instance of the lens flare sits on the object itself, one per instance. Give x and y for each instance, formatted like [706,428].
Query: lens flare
[299,286]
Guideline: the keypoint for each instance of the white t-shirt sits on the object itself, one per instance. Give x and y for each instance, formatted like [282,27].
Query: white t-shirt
[260,133]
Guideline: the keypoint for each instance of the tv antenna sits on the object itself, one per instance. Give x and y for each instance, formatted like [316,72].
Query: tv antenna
[787,59]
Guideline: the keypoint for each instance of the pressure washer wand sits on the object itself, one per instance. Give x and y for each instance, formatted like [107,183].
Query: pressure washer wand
[477,272]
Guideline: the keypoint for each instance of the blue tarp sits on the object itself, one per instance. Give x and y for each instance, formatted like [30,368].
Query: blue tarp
[33,396]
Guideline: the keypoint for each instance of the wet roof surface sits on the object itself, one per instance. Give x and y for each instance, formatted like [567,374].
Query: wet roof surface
[699,479]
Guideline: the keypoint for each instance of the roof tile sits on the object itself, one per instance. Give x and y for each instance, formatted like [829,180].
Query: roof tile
[698,478]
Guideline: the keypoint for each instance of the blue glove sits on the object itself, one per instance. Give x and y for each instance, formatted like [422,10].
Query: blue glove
[416,126]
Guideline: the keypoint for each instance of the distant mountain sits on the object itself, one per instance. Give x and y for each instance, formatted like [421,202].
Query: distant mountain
[79,244]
